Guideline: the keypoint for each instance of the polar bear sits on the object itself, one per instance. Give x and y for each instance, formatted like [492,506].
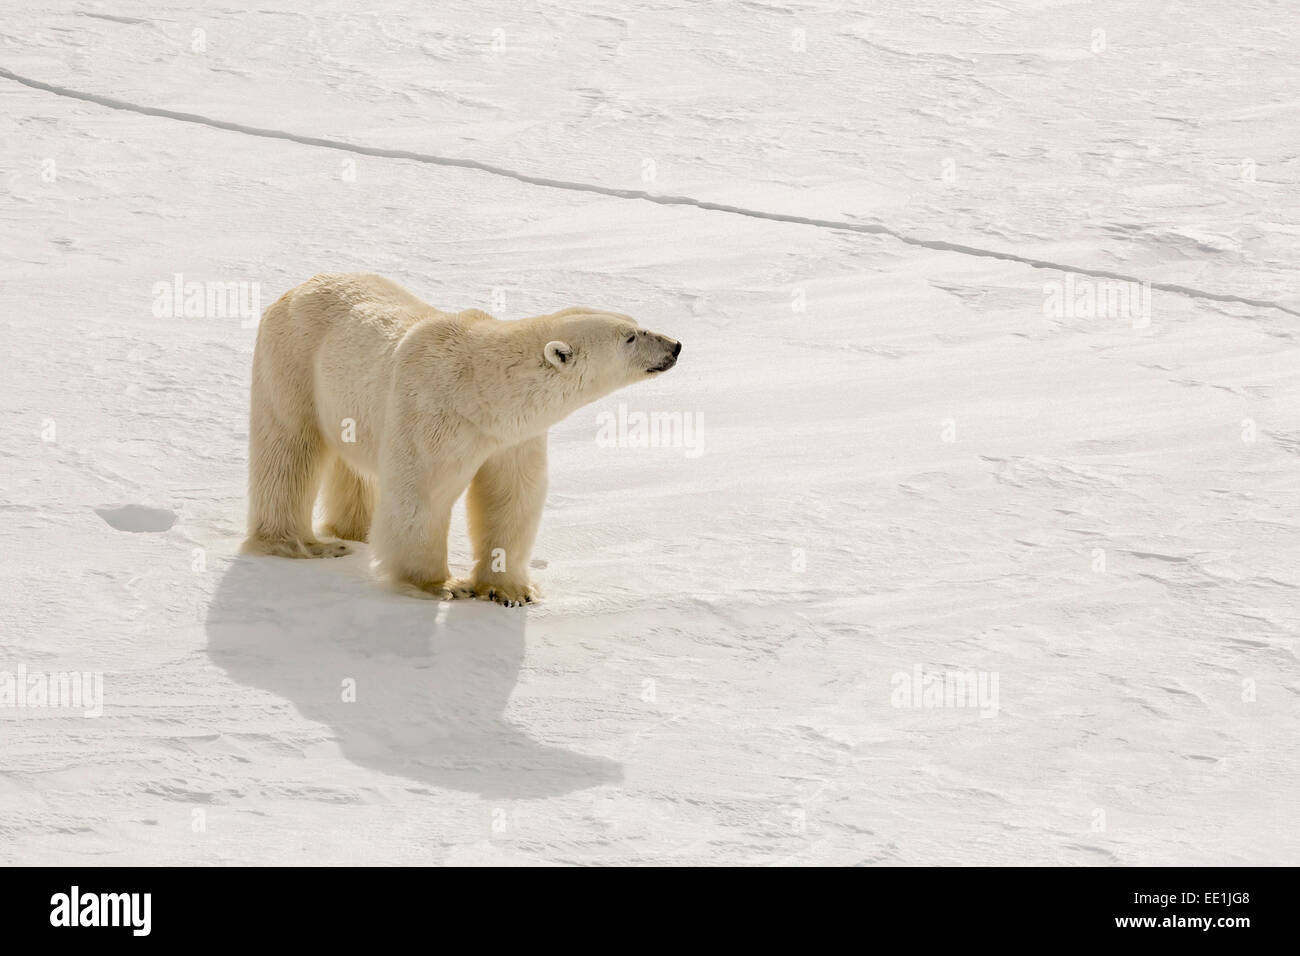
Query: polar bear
[400,407]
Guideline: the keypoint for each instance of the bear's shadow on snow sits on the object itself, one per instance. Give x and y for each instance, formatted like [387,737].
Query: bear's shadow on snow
[432,680]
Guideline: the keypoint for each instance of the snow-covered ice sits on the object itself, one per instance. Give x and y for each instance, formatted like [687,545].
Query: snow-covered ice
[907,462]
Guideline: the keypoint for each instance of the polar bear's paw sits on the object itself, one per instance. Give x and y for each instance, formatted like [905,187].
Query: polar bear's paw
[346,532]
[327,549]
[296,547]
[429,590]
[461,588]
[508,593]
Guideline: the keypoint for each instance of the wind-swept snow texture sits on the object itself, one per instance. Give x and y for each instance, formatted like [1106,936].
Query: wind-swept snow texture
[968,529]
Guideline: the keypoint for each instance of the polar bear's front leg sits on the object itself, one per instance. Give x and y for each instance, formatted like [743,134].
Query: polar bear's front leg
[412,521]
[505,506]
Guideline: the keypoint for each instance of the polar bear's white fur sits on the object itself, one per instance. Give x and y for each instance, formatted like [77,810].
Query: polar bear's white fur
[400,407]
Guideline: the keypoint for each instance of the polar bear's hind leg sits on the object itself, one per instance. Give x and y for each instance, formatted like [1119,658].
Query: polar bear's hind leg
[349,503]
[283,476]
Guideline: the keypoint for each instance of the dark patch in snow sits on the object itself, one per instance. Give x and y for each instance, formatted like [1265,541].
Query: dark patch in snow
[138,518]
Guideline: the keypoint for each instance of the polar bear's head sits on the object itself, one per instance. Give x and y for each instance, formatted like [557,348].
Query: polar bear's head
[598,352]
[552,365]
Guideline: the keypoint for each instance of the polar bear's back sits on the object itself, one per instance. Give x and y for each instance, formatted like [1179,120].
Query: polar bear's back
[352,302]
[325,352]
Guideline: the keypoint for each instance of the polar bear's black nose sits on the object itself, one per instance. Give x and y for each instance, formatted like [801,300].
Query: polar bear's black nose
[677,350]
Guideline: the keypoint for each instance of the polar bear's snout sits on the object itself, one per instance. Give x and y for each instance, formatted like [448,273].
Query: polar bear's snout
[668,352]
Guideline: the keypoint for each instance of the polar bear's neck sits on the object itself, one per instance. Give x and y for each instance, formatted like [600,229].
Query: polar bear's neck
[515,393]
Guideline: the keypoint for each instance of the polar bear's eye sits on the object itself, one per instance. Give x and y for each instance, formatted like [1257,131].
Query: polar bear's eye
[631,338]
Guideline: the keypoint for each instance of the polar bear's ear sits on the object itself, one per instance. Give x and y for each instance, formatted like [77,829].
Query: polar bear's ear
[558,353]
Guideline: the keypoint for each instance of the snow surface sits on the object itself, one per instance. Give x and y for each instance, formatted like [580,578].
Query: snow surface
[711,677]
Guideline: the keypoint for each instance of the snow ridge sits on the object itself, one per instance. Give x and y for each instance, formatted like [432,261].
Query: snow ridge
[633,194]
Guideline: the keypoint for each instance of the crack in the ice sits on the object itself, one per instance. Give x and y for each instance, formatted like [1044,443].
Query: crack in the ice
[874,229]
